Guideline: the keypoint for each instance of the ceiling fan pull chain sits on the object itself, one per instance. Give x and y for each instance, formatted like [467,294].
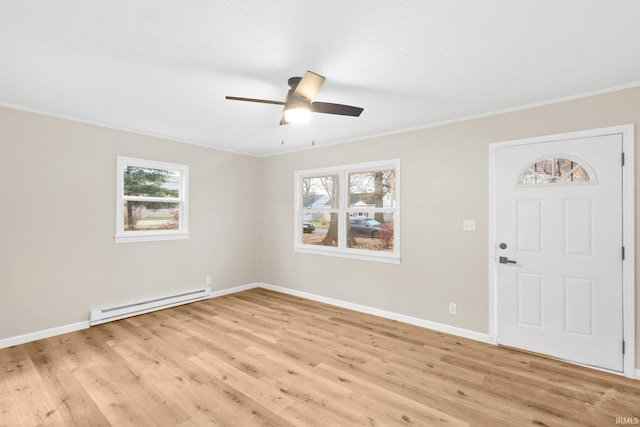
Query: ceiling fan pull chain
[313,134]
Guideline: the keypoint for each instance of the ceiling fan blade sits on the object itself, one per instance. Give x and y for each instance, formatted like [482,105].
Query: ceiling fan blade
[341,109]
[262,101]
[309,86]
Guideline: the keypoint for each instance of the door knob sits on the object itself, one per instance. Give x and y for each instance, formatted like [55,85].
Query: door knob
[505,260]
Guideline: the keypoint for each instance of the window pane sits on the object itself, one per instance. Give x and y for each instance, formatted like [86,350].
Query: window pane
[148,182]
[372,189]
[141,216]
[554,171]
[320,228]
[373,232]
[320,192]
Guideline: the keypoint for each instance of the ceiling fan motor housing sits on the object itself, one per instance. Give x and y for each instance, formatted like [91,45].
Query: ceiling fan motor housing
[293,82]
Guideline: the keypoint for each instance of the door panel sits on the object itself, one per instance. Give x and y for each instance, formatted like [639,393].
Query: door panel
[578,306]
[578,227]
[530,302]
[559,213]
[529,225]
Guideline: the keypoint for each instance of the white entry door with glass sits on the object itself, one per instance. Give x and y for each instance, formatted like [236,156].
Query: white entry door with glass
[559,251]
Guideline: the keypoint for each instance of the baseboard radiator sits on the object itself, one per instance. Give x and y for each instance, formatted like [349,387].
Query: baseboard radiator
[102,315]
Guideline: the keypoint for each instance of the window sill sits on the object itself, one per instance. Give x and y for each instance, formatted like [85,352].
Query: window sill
[385,257]
[132,238]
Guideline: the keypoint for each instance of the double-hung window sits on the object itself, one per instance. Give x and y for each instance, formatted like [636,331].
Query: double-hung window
[350,211]
[151,200]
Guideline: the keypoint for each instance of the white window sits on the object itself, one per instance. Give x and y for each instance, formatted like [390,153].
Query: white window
[151,201]
[350,211]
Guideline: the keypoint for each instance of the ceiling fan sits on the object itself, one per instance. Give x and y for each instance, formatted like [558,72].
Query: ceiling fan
[299,104]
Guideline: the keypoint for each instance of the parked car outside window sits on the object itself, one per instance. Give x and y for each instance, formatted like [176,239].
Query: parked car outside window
[368,227]
[308,227]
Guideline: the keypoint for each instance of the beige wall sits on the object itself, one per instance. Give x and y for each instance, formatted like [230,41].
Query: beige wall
[53,269]
[444,173]
[57,255]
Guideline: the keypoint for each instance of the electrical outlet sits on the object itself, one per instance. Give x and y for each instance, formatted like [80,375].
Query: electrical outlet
[452,308]
[207,280]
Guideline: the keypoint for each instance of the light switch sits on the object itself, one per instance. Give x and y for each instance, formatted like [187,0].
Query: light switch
[468,225]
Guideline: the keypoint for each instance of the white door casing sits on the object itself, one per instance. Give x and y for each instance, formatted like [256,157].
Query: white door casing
[564,296]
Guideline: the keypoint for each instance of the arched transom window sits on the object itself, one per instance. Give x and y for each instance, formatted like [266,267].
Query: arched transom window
[557,169]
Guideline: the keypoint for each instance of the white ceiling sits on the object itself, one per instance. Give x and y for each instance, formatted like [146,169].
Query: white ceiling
[164,67]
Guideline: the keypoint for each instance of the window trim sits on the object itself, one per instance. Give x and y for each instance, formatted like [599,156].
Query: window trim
[122,236]
[343,171]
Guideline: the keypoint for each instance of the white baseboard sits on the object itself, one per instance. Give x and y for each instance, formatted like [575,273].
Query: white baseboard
[453,330]
[235,289]
[47,333]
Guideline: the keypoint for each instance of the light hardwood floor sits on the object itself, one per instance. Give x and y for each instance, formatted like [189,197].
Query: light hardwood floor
[261,358]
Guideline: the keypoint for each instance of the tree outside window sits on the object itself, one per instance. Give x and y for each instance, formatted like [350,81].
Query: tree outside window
[148,183]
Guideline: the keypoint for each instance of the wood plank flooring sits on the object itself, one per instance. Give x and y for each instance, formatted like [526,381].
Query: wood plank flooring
[261,358]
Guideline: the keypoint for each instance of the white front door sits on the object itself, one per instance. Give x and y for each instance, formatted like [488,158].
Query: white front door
[559,249]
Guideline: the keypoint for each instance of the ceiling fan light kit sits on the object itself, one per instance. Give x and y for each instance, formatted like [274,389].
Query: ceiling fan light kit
[299,104]
[296,115]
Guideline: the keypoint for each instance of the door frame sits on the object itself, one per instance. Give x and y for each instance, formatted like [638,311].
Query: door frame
[628,233]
